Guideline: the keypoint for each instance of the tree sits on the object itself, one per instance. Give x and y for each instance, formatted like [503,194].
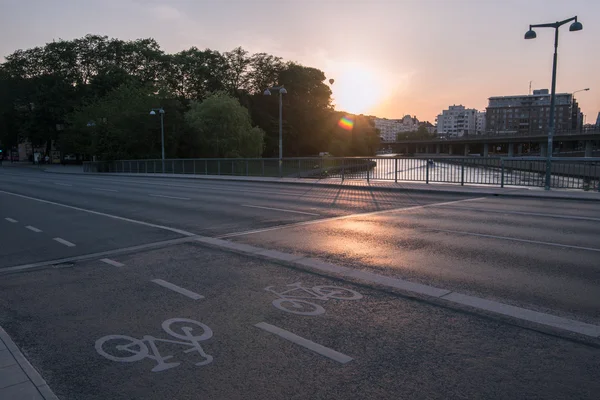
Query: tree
[223,127]
[118,126]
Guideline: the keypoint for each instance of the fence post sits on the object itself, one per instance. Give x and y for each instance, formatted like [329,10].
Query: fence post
[183,167]
[205,167]
[262,166]
[368,171]
[232,169]
[247,173]
[194,166]
[462,173]
[123,166]
[218,167]
[173,166]
[343,169]
[396,170]
[502,172]
[299,170]
[427,172]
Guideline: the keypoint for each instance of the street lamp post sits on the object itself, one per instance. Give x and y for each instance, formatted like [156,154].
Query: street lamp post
[530,34]
[281,91]
[161,111]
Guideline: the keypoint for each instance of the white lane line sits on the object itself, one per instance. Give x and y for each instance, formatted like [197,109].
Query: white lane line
[112,262]
[280,209]
[567,246]
[180,290]
[65,242]
[179,231]
[105,190]
[62,184]
[33,228]
[95,256]
[533,214]
[359,215]
[317,348]
[169,197]
[14,221]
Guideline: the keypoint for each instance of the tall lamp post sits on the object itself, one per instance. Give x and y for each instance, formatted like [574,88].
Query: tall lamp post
[530,34]
[161,111]
[281,91]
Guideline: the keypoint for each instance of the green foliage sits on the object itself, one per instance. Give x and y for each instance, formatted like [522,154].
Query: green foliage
[118,126]
[115,83]
[223,127]
[420,133]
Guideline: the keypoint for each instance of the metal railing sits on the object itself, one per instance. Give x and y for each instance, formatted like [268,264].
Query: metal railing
[572,172]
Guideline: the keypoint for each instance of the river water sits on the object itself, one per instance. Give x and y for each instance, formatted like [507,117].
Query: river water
[419,170]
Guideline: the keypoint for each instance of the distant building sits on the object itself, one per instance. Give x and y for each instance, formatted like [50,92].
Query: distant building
[531,113]
[390,128]
[480,126]
[598,121]
[429,126]
[457,121]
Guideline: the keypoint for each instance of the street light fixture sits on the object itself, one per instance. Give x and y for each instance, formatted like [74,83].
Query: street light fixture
[530,34]
[281,91]
[161,111]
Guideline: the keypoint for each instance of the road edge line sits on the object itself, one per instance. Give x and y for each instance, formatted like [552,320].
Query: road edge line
[179,231]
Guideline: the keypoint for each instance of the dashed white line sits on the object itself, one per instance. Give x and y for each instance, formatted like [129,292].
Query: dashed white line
[14,221]
[112,262]
[180,290]
[280,209]
[65,242]
[180,231]
[62,184]
[33,228]
[105,190]
[169,197]
[317,348]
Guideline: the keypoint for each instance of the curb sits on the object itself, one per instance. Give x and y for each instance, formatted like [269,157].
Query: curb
[341,185]
[31,372]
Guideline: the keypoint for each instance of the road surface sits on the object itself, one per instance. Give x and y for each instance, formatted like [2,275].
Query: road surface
[98,271]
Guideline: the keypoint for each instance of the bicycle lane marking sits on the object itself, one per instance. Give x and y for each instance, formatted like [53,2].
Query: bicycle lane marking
[146,347]
[295,300]
[308,344]
[178,289]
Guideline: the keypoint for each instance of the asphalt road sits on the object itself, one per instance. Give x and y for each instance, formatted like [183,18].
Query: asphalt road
[131,261]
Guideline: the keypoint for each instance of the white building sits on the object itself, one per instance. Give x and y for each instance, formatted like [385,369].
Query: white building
[480,128]
[390,128]
[457,121]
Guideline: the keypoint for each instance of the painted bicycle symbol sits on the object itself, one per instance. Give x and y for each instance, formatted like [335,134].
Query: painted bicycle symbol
[293,300]
[123,348]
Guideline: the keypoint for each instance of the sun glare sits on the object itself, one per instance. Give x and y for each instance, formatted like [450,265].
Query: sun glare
[356,89]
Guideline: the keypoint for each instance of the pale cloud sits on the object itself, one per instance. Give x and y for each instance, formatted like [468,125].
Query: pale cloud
[166,12]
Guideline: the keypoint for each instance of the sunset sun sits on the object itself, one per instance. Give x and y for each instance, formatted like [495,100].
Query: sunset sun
[356,89]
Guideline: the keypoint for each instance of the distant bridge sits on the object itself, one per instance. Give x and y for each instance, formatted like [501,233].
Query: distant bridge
[505,143]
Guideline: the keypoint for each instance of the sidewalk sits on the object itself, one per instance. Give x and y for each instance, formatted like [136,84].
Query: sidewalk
[417,187]
[18,379]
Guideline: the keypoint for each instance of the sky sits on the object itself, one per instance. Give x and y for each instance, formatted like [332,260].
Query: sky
[389,58]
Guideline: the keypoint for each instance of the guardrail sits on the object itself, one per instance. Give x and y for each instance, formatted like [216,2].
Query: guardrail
[573,173]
